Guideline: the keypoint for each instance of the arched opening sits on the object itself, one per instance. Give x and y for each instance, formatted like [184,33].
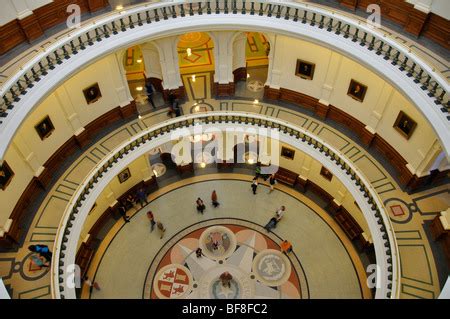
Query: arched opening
[196,63]
[143,73]
[251,64]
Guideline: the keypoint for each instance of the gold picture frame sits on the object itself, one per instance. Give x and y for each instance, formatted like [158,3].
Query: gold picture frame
[305,69]
[357,91]
[405,125]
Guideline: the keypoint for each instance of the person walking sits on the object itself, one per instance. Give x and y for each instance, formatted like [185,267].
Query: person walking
[152,220]
[161,229]
[200,205]
[199,252]
[272,182]
[150,91]
[123,212]
[254,185]
[214,199]
[271,224]
[286,247]
[142,197]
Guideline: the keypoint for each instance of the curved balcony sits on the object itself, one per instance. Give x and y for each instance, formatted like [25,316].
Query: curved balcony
[424,87]
[387,256]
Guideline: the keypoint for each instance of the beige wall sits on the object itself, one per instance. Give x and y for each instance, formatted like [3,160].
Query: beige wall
[69,113]
[332,77]
[138,170]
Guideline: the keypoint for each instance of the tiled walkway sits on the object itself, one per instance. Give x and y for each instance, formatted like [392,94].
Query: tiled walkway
[408,213]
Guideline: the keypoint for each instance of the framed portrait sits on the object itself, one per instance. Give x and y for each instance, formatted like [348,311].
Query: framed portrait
[45,128]
[6,175]
[305,70]
[326,173]
[357,90]
[92,93]
[124,175]
[287,153]
[405,125]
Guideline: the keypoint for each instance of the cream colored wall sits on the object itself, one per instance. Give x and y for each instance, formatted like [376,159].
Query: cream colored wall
[309,168]
[138,171]
[332,77]
[23,174]
[69,112]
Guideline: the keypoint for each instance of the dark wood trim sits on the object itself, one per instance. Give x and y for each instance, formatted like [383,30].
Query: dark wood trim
[407,179]
[157,84]
[180,93]
[38,185]
[33,26]
[240,74]
[224,89]
[413,21]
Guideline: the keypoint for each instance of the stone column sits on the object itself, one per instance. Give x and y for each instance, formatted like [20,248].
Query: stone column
[28,156]
[334,64]
[169,66]
[223,62]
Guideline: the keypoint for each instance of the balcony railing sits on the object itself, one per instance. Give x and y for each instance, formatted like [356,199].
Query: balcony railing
[47,60]
[379,223]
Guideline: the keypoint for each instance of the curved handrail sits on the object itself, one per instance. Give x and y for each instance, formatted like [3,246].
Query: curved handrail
[411,65]
[379,223]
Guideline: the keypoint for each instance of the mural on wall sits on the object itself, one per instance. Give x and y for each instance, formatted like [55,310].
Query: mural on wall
[45,128]
[357,91]
[305,70]
[124,175]
[405,125]
[92,94]
[6,175]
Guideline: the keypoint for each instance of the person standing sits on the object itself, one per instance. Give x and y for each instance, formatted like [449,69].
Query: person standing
[123,213]
[150,91]
[280,212]
[254,185]
[272,182]
[286,247]
[152,220]
[199,252]
[226,278]
[161,229]
[91,284]
[214,199]
[142,197]
[200,205]
[42,250]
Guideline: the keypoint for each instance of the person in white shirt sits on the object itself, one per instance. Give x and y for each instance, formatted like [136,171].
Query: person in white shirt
[280,212]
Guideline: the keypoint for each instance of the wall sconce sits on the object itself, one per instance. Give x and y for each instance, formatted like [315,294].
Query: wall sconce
[189,51]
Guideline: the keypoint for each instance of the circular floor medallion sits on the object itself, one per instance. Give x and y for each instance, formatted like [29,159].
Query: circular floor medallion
[172,282]
[218,242]
[272,267]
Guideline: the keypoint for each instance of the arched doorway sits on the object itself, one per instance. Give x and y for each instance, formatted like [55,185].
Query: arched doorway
[196,63]
[140,72]
[251,64]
